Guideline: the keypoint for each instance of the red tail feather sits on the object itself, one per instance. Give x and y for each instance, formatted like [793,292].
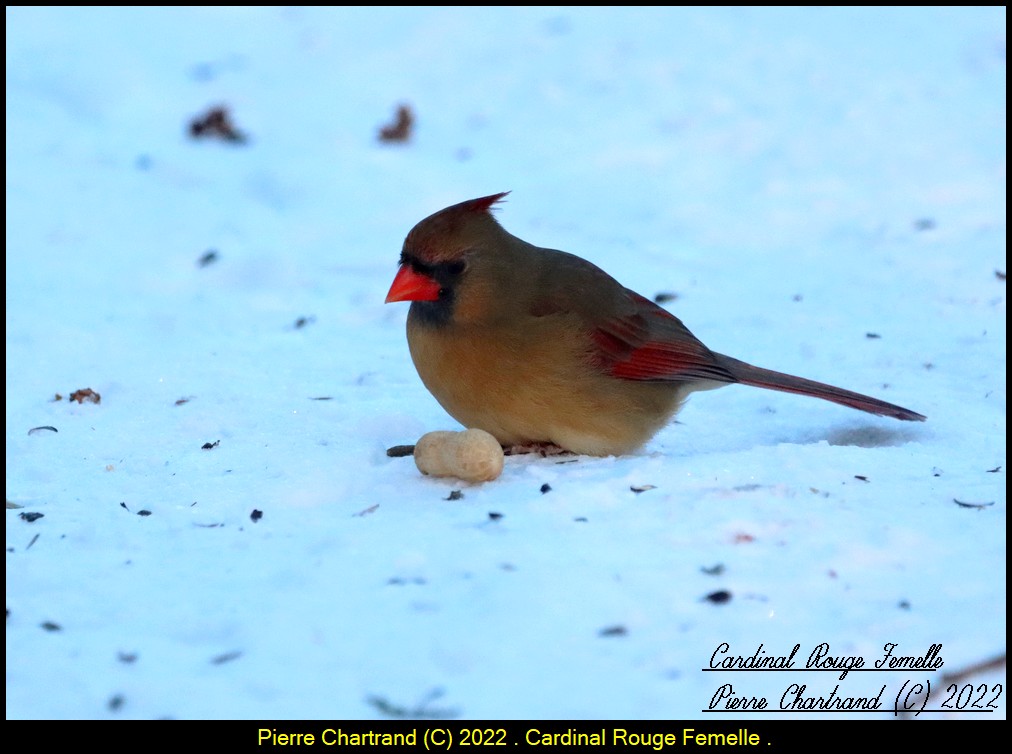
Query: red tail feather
[767,378]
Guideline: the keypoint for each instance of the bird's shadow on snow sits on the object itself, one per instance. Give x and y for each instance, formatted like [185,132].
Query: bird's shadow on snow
[853,435]
[861,435]
[871,436]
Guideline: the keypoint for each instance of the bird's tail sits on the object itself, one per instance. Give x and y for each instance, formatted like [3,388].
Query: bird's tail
[767,378]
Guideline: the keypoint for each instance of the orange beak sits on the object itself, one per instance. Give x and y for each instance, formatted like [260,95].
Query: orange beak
[409,285]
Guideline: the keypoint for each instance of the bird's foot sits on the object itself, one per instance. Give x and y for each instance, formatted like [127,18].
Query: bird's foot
[544,449]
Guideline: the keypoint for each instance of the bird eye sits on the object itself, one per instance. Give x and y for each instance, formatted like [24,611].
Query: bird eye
[457,267]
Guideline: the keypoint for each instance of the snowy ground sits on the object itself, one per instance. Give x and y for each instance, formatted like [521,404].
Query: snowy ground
[802,179]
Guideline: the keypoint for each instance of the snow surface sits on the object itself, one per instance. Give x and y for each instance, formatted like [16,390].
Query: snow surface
[802,179]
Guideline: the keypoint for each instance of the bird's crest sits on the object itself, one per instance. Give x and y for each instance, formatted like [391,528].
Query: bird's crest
[483,204]
[442,235]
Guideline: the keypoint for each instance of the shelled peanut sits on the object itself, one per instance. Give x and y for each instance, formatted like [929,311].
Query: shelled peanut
[472,455]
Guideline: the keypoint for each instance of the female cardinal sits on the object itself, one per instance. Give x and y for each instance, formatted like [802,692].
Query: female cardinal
[540,346]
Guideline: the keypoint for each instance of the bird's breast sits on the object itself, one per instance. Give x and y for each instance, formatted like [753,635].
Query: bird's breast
[536,383]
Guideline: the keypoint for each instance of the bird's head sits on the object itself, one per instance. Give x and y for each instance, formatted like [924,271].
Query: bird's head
[439,250]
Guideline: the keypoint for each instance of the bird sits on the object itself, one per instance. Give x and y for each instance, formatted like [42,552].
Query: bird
[541,347]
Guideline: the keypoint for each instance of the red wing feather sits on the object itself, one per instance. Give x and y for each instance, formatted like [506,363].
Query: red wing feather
[649,343]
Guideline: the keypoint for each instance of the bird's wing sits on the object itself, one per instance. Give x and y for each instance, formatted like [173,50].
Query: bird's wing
[631,337]
[646,342]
